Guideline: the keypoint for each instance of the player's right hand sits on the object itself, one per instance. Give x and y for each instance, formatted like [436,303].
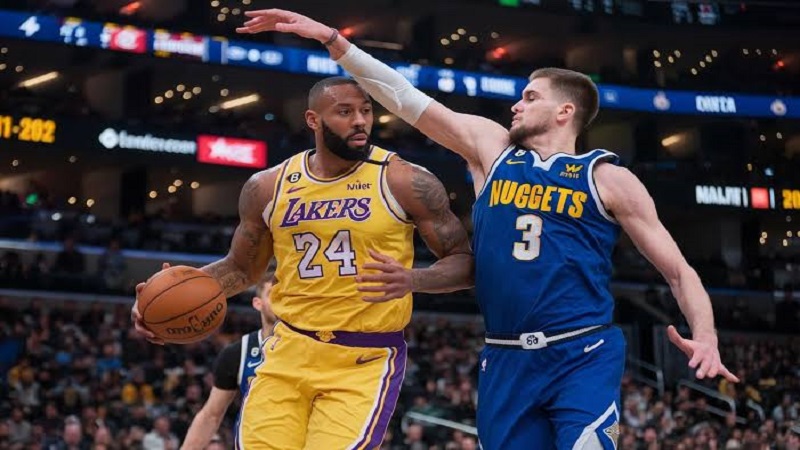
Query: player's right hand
[136,316]
[285,22]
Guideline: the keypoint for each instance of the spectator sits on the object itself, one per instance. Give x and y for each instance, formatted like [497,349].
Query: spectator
[5,432]
[109,361]
[469,443]
[137,389]
[51,421]
[70,260]
[111,267]
[160,438]
[26,390]
[793,439]
[415,438]
[80,348]
[102,436]
[786,411]
[19,429]
[72,437]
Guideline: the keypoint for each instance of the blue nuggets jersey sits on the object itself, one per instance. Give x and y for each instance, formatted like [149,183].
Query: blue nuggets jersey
[251,358]
[543,243]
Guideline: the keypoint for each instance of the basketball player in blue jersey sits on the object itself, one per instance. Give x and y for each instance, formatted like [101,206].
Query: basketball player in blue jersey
[546,221]
[234,368]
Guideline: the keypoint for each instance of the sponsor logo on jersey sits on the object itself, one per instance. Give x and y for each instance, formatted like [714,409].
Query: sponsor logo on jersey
[613,433]
[363,360]
[326,336]
[358,186]
[572,171]
[252,364]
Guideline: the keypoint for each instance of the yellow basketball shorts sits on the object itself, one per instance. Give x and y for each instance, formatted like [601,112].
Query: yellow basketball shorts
[322,391]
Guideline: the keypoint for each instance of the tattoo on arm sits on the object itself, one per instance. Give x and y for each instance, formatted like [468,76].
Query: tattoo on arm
[251,247]
[229,277]
[234,271]
[447,235]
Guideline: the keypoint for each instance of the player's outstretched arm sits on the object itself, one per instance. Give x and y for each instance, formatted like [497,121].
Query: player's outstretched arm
[629,202]
[207,421]
[423,197]
[226,384]
[476,139]
[251,247]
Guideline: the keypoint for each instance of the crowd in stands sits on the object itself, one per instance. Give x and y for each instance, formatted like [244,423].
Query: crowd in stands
[76,376]
[210,234]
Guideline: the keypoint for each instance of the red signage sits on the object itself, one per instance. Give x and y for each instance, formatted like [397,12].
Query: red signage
[759,198]
[124,39]
[227,151]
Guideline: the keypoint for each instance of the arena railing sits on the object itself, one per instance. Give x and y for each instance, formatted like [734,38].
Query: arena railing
[638,369]
[418,417]
[712,394]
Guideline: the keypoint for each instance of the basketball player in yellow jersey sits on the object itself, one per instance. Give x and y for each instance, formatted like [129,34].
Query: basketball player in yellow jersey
[339,220]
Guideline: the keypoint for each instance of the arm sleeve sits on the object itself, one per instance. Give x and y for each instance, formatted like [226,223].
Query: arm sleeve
[226,367]
[384,84]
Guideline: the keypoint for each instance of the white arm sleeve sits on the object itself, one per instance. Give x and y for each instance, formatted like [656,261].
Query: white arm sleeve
[385,85]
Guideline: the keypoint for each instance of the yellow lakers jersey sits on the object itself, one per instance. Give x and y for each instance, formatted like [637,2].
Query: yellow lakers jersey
[322,229]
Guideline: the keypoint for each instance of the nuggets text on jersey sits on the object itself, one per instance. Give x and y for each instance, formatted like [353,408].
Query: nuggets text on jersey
[538,197]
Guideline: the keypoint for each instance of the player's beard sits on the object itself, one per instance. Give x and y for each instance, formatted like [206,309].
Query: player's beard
[340,146]
[520,133]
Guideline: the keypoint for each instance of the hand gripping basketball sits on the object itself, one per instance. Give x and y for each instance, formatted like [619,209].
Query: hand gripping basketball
[136,316]
[179,305]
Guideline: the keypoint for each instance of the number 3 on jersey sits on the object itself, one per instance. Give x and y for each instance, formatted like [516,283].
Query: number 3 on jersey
[531,227]
[339,250]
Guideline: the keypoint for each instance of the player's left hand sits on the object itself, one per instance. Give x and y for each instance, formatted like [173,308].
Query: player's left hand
[396,280]
[703,355]
[284,21]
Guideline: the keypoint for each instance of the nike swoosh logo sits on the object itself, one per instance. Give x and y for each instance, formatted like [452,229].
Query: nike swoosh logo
[362,360]
[294,189]
[515,162]
[251,364]
[589,348]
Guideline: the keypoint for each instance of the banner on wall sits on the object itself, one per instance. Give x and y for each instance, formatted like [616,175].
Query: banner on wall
[217,50]
[228,151]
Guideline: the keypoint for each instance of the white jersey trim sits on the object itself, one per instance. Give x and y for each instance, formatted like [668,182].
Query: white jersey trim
[242,357]
[591,431]
[593,187]
[496,163]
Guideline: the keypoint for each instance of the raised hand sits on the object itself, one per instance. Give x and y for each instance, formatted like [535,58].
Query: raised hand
[396,280]
[285,22]
[702,352]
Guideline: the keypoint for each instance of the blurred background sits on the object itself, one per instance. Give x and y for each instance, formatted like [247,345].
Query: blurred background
[127,129]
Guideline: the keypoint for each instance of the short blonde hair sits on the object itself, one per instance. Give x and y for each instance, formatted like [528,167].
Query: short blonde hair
[575,86]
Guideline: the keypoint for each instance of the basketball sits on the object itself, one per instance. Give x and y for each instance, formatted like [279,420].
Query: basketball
[182,305]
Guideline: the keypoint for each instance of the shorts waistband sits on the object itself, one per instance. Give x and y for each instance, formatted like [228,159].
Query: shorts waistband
[539,339]
[353,338]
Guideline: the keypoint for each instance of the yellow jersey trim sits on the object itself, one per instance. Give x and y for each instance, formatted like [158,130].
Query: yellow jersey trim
[270,208]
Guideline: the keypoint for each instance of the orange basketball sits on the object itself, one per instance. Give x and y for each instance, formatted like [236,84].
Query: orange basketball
[182,305]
